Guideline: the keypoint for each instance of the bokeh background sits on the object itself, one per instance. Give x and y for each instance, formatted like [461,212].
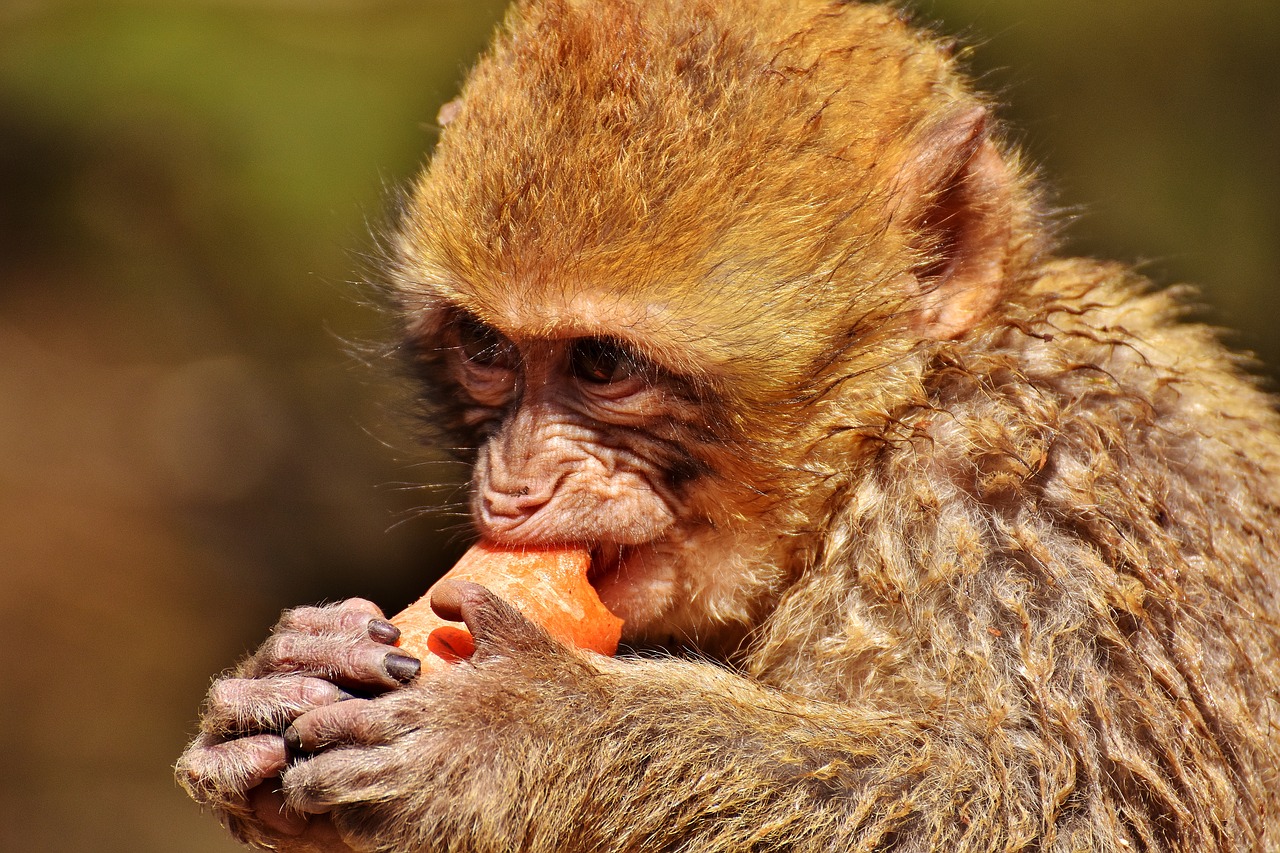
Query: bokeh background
[187,444]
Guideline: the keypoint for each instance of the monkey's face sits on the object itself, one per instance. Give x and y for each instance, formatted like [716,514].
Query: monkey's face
[569,453]
[583,440]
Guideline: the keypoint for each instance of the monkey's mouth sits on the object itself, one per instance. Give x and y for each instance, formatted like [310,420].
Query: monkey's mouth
[618,575]
[606,560]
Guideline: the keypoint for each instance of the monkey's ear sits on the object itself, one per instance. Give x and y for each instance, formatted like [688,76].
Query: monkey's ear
[961,191]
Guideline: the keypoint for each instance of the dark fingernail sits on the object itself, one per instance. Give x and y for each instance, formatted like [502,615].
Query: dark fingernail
[402,667]
[292,740]
[383,631]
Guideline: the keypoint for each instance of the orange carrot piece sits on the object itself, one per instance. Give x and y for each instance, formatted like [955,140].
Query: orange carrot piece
[548,586]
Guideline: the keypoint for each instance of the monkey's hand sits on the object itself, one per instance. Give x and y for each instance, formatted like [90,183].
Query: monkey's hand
[315,657]
[421,767]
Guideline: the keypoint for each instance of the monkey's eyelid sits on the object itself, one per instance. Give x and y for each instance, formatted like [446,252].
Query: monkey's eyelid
[486,356]
[481,344]
[604,361]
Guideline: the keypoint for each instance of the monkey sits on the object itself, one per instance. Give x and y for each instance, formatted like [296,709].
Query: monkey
[926,535]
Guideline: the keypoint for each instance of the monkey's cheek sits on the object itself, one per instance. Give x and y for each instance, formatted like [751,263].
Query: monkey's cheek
[640,591]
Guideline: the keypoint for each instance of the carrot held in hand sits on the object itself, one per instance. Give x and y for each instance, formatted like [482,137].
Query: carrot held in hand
[548,586]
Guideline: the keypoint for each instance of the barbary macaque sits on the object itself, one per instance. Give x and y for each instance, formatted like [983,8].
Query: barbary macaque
[926,538]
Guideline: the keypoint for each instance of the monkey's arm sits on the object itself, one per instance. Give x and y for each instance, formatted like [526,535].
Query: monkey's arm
[540,748]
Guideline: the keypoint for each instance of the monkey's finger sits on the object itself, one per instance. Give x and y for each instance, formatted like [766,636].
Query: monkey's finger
[267,804]
[359,721]
[220,774]
[355,617]
[340,777]
[278,827]
[498,628]
[359,664]
[247,705]
[321,836]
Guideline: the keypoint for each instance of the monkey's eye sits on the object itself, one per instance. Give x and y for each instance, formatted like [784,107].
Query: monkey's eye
[483,345]
[601,361]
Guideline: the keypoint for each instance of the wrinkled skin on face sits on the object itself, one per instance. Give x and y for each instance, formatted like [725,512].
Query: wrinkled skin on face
[570,454]
[581,440]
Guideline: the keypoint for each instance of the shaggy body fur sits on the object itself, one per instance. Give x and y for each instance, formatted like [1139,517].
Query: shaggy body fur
[1004,584]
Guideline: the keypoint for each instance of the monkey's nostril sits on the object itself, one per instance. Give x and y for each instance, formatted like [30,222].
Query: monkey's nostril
[516,504]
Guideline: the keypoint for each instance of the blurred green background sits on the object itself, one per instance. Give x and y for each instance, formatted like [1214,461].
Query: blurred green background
[187,189]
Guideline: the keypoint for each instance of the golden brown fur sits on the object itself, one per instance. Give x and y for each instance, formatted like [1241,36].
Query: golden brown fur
[1001,528]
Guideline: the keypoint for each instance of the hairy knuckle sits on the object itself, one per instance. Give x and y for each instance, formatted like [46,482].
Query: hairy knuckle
[286,650]
[226,695]
[264,749]
[265,658]
[361,606]
[297,617]
[190,772]
[205,775]
[315,692]
[323,728]
[303,788]
[355,623]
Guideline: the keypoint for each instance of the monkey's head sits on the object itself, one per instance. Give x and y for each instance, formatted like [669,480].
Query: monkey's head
[665,250]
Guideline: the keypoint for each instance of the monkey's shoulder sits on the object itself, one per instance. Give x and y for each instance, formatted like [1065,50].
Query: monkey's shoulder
[1098,382]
